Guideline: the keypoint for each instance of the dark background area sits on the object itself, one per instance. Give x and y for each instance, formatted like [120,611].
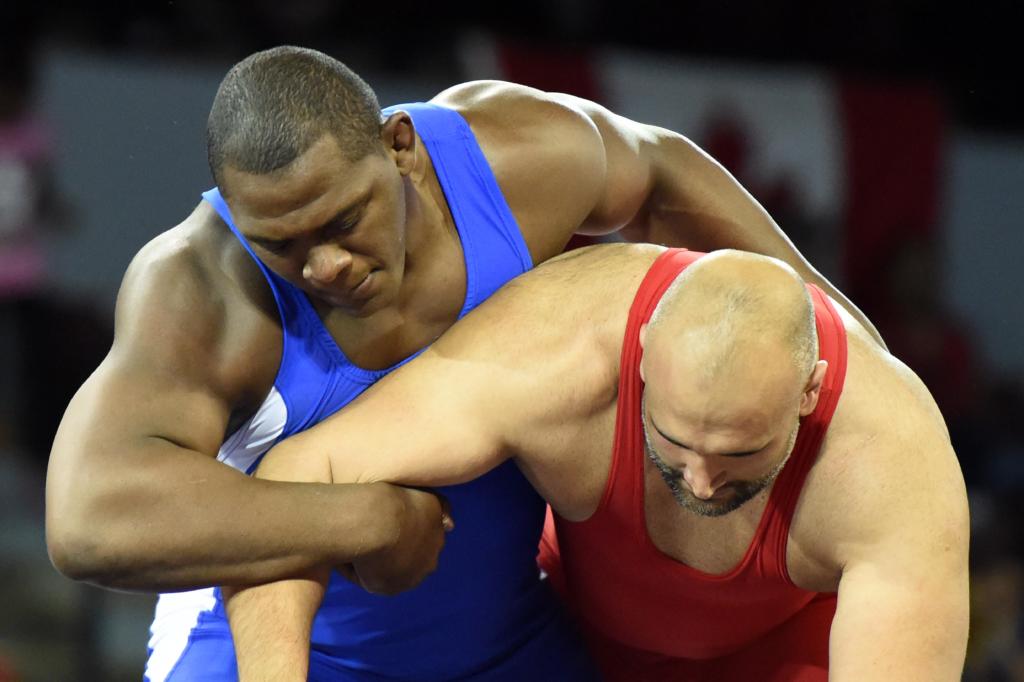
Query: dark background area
[967,54]
[969,50]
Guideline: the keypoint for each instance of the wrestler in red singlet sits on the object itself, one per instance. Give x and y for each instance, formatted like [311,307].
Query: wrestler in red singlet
[650,618]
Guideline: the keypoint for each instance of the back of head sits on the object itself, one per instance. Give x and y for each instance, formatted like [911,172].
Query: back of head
[732,313]
[273,105]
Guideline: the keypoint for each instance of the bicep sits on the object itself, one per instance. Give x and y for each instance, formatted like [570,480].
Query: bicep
[894,624]
[617,163]
[660,187]
[156,386]
[128,439]
[120,406]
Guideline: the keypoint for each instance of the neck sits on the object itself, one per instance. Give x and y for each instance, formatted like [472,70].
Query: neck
[431,239]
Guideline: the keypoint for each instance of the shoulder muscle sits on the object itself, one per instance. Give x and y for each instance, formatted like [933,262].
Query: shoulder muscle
[547,153]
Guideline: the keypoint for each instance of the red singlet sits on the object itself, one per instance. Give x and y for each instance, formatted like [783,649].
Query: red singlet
[649,617]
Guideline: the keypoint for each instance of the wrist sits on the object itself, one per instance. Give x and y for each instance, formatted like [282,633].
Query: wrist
[379,511]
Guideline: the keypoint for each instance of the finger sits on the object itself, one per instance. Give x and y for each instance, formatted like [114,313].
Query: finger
[447,522]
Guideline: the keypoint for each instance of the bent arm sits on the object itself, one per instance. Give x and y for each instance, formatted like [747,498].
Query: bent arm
[903,592]
[442,419]
[672,193]
[410,428]
[134,496]
[695,202]
[140,512]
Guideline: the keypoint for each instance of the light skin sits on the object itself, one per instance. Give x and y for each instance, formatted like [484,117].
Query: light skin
[135,497]
[882,518]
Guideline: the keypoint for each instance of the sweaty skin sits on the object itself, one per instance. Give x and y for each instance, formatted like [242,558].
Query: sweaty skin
[532,374]
[135,498]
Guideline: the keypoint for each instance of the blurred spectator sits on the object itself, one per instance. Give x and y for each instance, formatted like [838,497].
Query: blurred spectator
[27,200]
[29,208]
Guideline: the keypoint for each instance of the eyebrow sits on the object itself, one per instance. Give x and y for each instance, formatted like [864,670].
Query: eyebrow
[346,214]
[670,439]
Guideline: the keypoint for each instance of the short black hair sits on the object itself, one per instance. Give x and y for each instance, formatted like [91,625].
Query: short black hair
[273,105]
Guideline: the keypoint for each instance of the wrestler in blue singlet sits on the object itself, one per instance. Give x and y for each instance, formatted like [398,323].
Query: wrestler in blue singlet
[484,614]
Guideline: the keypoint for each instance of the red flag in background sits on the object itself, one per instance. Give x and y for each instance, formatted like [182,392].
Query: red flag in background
[895,152]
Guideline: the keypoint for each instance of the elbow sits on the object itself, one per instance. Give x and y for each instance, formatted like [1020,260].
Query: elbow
[77,555]
[84,551]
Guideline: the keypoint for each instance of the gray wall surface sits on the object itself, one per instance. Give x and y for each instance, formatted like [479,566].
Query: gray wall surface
[985,244]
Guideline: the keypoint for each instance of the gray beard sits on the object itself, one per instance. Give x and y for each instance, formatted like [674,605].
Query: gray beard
[743,491]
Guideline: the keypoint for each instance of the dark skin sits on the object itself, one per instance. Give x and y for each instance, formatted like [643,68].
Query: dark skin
[135,496]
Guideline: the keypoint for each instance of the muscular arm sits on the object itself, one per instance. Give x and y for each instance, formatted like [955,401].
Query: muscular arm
[677,195]
[902,546]
[902,615]
[566,165]
[447,417]
[424,424]
[614,174]
[134,496]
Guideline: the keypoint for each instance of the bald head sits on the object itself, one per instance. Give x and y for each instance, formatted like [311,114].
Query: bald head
[730,366]
[733,312]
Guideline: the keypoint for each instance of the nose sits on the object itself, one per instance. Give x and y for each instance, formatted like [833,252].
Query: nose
[703,477]
[325,262]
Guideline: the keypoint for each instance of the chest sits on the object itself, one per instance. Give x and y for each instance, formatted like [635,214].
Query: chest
[712,545]
[716,545]
[388,340]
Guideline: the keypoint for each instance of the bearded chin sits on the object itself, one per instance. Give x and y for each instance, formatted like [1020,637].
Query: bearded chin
[742,491]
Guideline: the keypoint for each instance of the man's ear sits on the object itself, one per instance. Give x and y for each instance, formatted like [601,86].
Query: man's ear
[812,389]
[398,134]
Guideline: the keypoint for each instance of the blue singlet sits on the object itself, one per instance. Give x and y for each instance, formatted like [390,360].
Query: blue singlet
[485,614]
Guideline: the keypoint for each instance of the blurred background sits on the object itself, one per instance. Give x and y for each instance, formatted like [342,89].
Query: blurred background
[886,138]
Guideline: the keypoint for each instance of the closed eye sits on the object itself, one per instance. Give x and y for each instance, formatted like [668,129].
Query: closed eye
[275,246]
[340,226]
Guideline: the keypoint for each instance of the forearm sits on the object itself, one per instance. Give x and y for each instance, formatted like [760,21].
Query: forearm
[183,520]
[271,623]
[271,626]
[697,204]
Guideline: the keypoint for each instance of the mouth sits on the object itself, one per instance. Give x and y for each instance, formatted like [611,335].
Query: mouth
[364,288]
[363,282]
[359,292]
[723,493]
